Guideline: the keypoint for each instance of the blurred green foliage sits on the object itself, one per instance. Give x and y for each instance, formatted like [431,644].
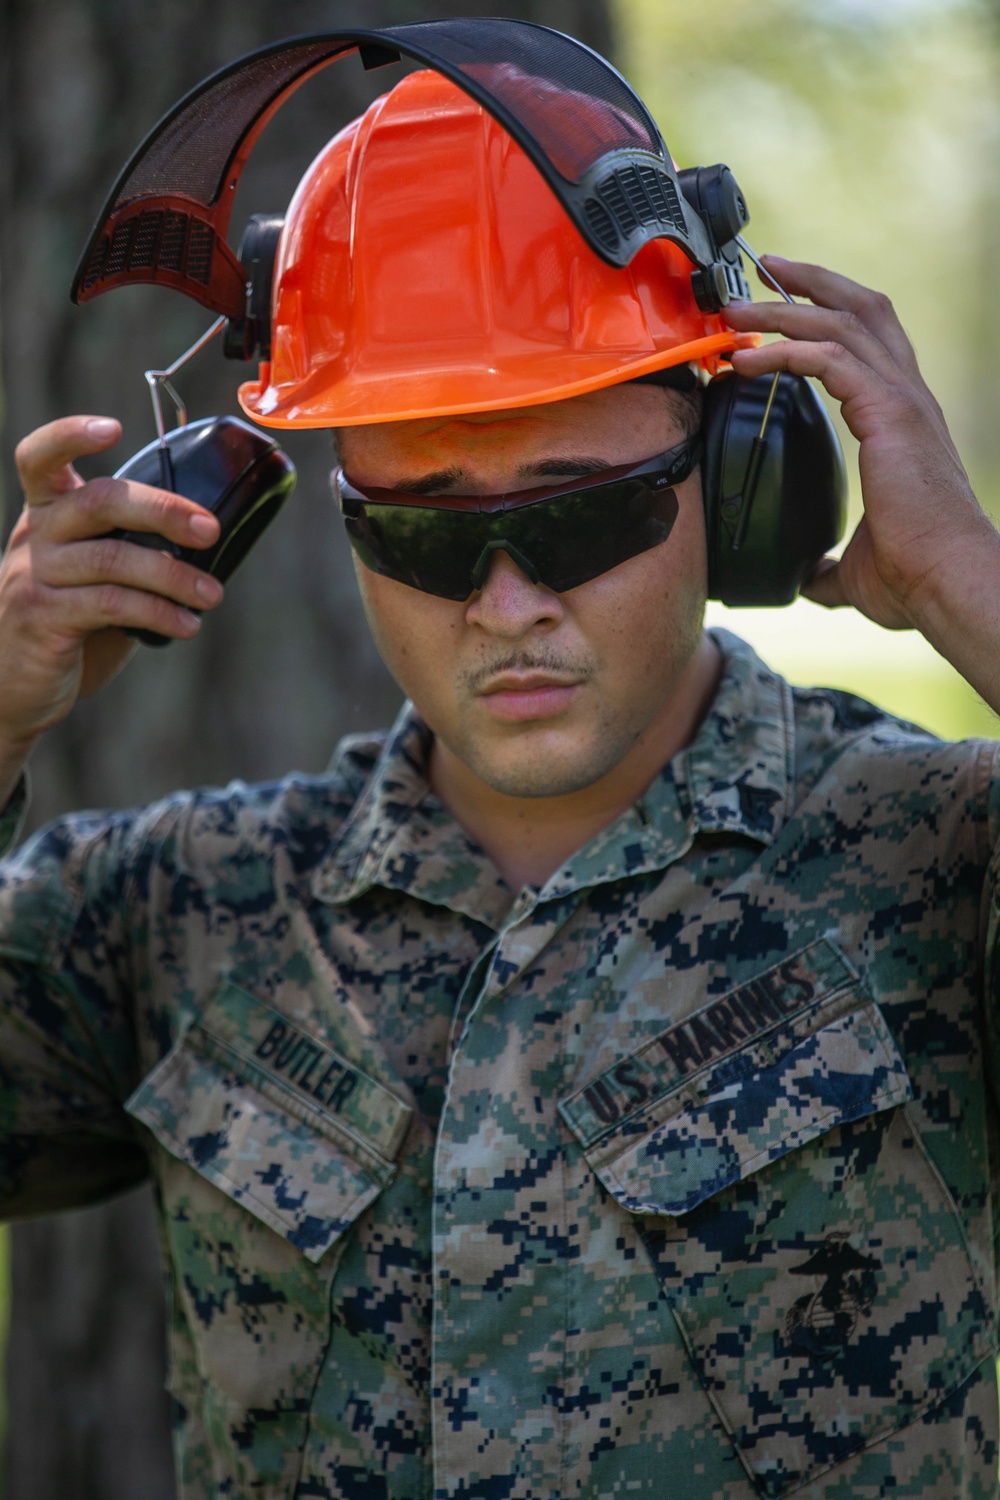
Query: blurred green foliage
[864,134]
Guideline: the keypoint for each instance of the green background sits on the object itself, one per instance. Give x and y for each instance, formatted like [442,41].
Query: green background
[864,134]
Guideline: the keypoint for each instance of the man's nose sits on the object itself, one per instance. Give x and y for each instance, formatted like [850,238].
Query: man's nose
[508,603]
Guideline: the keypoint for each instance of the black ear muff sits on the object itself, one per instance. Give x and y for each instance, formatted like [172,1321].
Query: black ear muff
[227,467]
[249,336]
[773,505]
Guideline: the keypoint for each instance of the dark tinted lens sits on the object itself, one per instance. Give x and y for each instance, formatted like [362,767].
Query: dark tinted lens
[567,539]
[573,538]
[432,550]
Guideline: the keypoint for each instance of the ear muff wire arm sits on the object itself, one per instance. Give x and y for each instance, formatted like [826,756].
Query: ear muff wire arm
[161,379]
[759,446]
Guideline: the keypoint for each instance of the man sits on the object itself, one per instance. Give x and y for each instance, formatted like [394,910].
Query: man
[587,1089]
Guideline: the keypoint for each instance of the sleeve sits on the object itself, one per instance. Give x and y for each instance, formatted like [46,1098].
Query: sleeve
[990,914]
[990,929]
[68,1054]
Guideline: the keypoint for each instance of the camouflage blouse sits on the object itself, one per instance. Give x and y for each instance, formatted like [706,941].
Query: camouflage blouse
[672,1178]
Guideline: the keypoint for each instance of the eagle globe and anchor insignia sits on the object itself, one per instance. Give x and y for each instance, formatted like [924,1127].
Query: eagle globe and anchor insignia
[821,1323]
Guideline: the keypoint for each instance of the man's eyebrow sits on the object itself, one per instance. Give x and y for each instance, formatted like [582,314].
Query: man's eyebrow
[426,484]
[544,468]
[575,468]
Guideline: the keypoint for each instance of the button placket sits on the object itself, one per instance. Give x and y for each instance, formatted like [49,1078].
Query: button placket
[457,1244]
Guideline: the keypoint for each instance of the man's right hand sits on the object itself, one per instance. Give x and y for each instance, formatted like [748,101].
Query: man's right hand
[68,591]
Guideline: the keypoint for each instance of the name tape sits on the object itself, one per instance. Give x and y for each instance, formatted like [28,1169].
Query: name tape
[298,1058]
[282,1051]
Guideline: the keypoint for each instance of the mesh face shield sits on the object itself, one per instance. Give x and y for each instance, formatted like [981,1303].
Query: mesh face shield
[580,123]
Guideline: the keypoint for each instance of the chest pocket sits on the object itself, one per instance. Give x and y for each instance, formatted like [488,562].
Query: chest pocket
[809,1251]
[281,1124]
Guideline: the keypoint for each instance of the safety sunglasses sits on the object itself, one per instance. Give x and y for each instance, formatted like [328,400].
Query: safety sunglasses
[560,536]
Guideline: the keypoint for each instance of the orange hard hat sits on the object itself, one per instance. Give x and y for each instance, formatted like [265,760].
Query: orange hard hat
[426,268]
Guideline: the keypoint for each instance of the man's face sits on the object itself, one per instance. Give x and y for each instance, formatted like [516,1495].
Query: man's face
[540,694]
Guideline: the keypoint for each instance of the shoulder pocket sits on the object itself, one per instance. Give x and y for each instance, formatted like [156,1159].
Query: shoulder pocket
[810,1253]
[276,1120]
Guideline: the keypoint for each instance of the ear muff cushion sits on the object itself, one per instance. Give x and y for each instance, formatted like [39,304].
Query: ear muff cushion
[798,508]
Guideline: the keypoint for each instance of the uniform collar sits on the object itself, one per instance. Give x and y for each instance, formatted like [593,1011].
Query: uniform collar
[740,768]
[400,836]
[734,779]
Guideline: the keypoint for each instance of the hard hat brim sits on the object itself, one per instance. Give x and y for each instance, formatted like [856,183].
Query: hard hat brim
[405,396]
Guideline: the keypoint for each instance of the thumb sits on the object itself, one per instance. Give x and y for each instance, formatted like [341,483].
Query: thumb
[45,457]
[826,585]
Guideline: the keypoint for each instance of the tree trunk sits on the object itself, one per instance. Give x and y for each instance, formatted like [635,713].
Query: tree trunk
[283,670]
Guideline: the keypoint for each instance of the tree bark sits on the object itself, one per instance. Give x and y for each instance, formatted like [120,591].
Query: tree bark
[275,678]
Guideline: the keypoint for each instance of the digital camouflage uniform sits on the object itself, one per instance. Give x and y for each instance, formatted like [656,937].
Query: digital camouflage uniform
[671,1179]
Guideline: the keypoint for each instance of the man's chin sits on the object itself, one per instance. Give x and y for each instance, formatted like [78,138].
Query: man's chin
[540,770]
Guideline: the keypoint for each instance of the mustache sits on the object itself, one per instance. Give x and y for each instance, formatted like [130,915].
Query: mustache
[558,663]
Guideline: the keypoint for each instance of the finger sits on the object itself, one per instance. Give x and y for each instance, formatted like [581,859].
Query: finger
[45,457]
[79,612]
[848,377]
[844,375]
[867,401]
[803,321]
[832,290]
[873,310]
[111,559]
[826,586]
[105,504]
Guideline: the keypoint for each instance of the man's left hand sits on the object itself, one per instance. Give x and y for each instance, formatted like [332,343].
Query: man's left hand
[925,554]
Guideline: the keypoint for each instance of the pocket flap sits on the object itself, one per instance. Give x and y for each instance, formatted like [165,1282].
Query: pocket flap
[279,1122]
[772,1065]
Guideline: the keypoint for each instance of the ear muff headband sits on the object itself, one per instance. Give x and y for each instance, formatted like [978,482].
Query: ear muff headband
[771,514]
[166,219]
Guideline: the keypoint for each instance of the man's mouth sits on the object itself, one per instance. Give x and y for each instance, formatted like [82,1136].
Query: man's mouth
[519,696]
